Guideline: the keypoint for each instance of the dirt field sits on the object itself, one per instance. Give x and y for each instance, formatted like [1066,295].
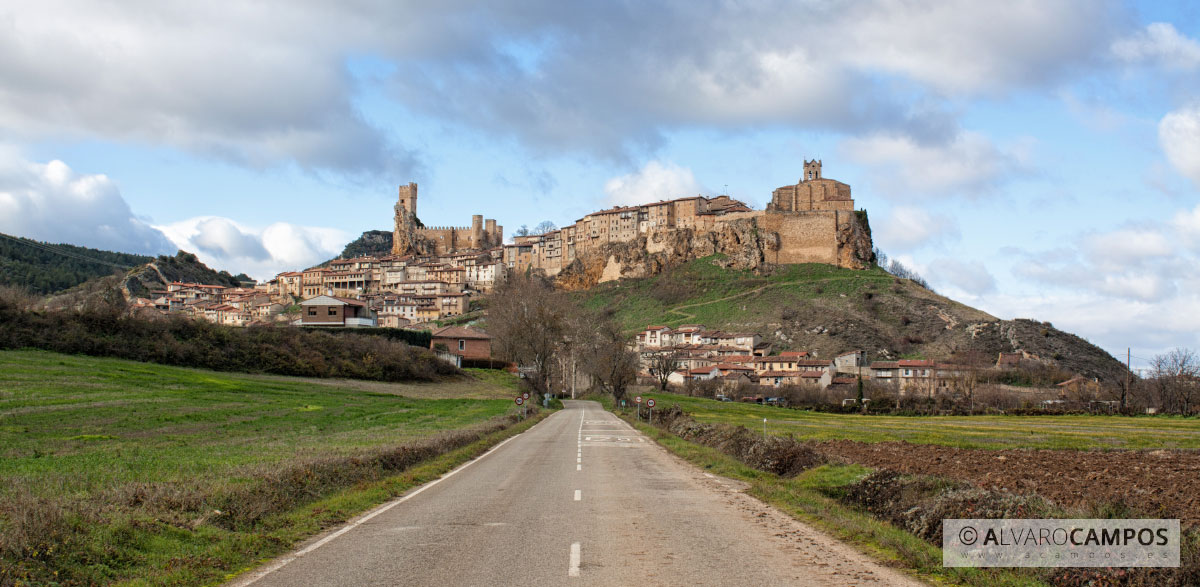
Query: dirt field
[1158,483]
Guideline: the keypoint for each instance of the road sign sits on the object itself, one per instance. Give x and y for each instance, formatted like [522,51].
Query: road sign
[650,403]
[638,399]
[525,395]
[519,400]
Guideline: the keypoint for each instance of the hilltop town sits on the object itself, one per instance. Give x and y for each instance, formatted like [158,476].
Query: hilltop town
[432,273]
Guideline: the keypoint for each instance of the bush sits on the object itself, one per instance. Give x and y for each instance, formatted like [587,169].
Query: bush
[179,341]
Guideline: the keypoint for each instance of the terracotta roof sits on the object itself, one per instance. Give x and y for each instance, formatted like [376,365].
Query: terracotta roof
[915,363]
[885,365]
[729,367]
[813,362]
[812,374]
[843,380]
[461,332]
[794,354]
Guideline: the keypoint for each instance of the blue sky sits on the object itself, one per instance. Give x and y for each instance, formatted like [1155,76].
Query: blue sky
[1033,159]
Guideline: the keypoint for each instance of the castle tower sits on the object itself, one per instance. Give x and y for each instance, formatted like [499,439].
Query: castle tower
[404,233]
[489,234]
[477,231]
[408,198]
[812,170]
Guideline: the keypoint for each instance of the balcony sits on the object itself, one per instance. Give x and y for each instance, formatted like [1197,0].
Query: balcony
[360,323]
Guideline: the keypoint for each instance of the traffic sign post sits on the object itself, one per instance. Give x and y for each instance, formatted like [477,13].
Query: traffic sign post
[638,400]
[520,401]
[650,404]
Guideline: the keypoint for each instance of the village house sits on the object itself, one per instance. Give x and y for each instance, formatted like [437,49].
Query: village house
[330,311]
[467,343]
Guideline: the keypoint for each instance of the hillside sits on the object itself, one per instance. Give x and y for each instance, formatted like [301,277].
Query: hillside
[141,280]
[372,243]
[45,268]
[828,310]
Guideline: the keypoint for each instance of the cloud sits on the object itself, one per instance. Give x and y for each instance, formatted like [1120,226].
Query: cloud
[654,181]
[223,243]
[909,227]
[613,78]
[50,202]
[968,276]
[1159,43]
[902,167]
[1179,137]
[256,85]
[280,82]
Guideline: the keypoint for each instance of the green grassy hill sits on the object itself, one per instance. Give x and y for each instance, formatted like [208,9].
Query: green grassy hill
[829,310]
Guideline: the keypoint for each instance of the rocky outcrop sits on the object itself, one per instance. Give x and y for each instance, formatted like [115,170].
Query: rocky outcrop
[745,243]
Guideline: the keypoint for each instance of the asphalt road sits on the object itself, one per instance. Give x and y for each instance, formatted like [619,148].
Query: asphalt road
[579,499]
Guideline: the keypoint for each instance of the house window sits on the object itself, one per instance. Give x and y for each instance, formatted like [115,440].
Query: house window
[333,311]
[462,345]
[312,311]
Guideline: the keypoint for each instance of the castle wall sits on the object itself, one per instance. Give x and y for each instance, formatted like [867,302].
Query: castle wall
[806,237]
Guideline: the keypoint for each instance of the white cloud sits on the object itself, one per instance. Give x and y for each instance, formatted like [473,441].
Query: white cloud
[904,168]
[654,181]
[279,81]
[909,227]
[1159,42]
[259,84]
[965,275]
[50,202]
[223,243]
[1179,137]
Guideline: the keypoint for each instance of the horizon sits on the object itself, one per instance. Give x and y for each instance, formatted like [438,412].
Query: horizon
[1032,161]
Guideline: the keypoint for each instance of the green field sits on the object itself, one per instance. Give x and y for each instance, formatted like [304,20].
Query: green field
[81,435]
[988,432]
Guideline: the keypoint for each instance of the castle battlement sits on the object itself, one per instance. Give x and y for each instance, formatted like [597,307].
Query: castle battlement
[407,238]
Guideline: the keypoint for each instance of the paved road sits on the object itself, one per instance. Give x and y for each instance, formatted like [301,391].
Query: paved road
[579,499]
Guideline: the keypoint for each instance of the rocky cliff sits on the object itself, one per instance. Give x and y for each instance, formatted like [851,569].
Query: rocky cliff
[754,242]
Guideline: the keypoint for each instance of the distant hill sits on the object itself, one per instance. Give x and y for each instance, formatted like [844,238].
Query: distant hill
[372,243]
[45,268]
[143,279]
[829,310]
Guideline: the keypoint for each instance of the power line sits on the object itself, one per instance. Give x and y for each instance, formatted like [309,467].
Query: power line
[51,249]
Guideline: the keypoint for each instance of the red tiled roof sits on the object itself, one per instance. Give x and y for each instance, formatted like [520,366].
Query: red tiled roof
[794,354]
[460,332]
[915,363]
[813,362]
[812,374]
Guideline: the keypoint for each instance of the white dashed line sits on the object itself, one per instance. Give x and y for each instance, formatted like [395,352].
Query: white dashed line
[573,570]
[578,494]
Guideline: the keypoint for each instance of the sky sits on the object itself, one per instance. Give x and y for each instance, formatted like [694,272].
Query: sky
[1034,159]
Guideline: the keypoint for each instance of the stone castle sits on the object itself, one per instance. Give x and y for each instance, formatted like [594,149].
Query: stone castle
[409,236]
[812,221]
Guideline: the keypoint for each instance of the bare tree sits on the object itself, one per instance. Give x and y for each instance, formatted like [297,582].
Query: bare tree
[543,227]
[529,323]
[1176,375]
[662,365]
[523,231]
[611,362]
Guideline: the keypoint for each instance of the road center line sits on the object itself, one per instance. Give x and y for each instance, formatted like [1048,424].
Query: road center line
[573,570]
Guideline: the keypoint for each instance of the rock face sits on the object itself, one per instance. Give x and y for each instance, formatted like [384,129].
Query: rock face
[752,242]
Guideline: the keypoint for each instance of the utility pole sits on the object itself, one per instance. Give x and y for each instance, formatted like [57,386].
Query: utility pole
[1128,382]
